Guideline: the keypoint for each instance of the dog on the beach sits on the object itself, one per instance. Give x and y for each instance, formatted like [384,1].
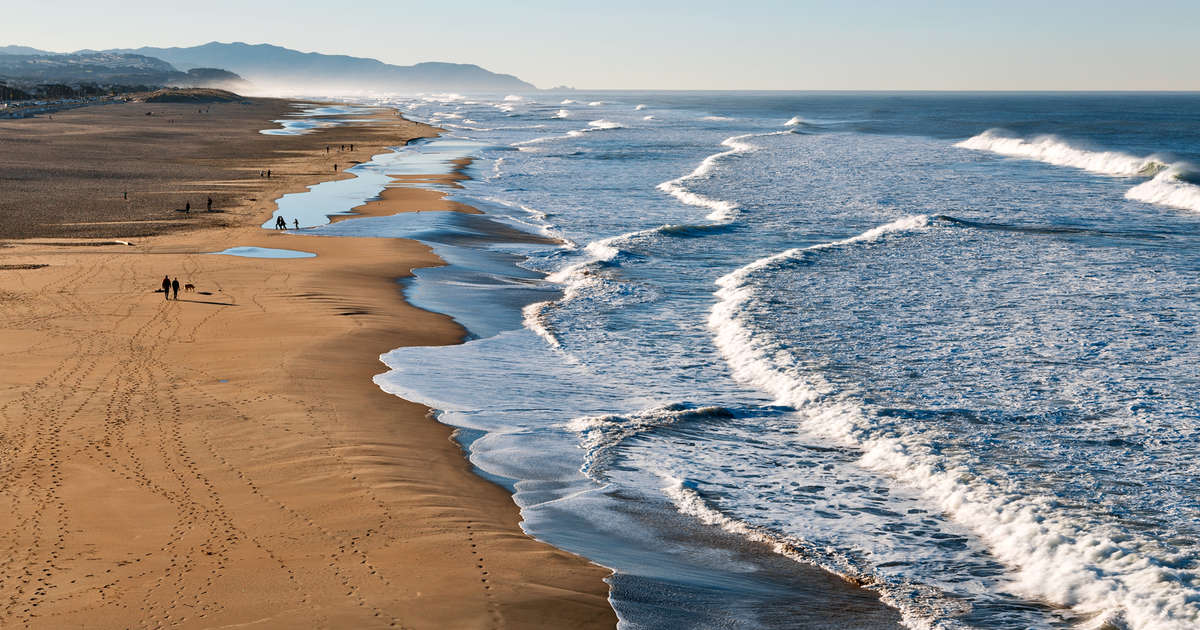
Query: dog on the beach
[189,288]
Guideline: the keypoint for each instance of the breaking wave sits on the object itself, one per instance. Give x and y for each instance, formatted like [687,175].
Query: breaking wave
[721,210]
[1168,189]
[1053,150]
[1108,578]
[600,435]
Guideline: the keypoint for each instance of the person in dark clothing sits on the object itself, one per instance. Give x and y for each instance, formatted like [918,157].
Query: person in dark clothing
[210,204]
[296,222]
[187,206]
[335,168]
[175,287]
[166,285]
[268,173]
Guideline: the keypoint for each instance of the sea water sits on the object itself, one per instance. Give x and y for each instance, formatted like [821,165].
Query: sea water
[941,345]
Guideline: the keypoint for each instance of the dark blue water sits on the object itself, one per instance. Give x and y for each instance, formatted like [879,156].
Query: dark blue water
[942,345]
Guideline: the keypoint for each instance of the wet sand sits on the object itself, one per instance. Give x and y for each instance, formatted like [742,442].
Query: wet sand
[225,459]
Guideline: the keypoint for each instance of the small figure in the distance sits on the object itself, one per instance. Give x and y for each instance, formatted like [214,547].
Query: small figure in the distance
[210,204]
[166,286]
[175,287]
[296,222]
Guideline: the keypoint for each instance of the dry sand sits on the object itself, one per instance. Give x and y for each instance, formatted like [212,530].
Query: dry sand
[225,459]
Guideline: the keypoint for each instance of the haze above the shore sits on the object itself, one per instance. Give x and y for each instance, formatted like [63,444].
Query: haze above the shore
[685,45]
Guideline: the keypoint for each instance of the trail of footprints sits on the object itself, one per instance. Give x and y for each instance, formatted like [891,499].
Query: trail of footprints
[140,403]
[477,556]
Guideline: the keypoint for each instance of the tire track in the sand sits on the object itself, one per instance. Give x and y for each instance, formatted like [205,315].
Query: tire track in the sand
[51,404]
[39,517]
[349,556]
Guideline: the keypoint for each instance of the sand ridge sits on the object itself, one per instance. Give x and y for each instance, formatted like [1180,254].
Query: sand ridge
[225,459]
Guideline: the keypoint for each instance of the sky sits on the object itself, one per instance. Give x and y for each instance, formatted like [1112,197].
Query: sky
[678,44]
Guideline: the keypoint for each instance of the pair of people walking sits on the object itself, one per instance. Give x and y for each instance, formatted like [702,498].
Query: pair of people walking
[169,286]
[281,223]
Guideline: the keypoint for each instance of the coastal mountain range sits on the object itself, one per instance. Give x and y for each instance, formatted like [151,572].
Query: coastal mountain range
[274,67]
[34,67]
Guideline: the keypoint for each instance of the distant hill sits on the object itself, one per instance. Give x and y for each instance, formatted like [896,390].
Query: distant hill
[22,50]
[272,66]
[105,68]
[187,95]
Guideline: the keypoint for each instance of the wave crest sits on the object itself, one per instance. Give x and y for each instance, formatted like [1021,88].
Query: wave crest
[1053,556]
[1054,150]
[1167,189]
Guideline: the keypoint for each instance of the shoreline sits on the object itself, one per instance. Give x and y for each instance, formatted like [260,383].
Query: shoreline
[225,428]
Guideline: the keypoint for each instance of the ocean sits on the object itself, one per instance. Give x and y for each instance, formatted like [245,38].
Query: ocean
[940,346]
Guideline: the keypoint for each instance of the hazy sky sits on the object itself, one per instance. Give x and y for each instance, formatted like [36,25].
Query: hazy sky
[678,44]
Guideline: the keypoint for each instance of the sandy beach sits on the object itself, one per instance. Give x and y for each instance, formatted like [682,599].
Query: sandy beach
[224,459]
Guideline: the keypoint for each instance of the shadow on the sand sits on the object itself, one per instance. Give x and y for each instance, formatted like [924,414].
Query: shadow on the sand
[204,302]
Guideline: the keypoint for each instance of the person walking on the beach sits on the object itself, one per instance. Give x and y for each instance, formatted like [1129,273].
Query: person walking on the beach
[279,223]
[352,147]
[268,173]
[187,206]
[335,168]
[210,204]
[175,287]
[166,285]
[296,222]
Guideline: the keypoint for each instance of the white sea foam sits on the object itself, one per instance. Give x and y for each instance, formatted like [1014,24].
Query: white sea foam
[721,210]
[647,117]
[1053,150]
[567,101]
[1054,556]
[605,124]
[595,125]
[595,103]
[715,118]
[600,435]
[920,607]
[513,98]
[1167,189]
[449,97]
[562,113]
[640,107]
[795,121]
[534,317]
